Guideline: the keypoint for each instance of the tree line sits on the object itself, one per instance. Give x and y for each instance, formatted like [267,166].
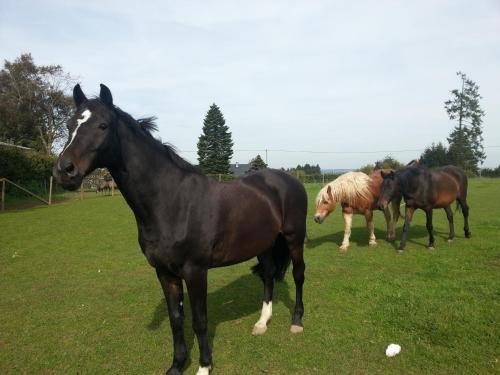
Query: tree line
[35,105]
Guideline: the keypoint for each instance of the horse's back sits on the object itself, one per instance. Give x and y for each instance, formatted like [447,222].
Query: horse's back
[449,183]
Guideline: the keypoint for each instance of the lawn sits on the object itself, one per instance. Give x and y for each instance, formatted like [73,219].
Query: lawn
[78,297]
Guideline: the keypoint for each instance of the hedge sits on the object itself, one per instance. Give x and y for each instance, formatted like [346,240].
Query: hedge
[28,168]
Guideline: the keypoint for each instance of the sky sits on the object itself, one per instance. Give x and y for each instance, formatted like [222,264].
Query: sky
[348,81]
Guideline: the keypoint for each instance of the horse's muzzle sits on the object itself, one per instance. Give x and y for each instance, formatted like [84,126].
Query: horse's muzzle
[318,219]
[67,174]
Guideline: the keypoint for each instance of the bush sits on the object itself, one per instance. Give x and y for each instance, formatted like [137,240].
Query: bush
[27,168]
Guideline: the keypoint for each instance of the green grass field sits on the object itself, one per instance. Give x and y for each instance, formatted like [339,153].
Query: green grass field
[78,297]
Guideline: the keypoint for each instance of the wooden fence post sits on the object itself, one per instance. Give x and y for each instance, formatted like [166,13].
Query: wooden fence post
[3,195]
[50,190]
[220,177]
[81,191]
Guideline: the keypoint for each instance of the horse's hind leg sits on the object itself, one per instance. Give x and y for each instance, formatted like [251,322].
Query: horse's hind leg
[465,211]
[267,270]
[449,215]
[296,247]
[428,224]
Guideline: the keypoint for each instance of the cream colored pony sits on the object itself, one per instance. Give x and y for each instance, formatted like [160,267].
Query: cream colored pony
[358,194]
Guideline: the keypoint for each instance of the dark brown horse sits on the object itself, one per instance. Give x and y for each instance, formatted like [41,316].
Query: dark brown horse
[188,223]
[427,189]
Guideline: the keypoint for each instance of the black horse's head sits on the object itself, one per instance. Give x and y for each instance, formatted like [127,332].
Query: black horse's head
[90,138]
[388,189]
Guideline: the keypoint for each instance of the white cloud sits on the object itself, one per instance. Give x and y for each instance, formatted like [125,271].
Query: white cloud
[309,75]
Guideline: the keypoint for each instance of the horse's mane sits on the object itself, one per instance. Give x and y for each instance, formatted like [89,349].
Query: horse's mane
[148,125]
[348,188]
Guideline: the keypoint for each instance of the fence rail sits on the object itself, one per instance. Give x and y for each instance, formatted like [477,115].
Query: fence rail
[90,183]
[6,181]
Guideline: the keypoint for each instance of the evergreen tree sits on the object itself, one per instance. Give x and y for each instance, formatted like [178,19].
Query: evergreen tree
[257,164]
[215,146]
[435,156]
[466,148]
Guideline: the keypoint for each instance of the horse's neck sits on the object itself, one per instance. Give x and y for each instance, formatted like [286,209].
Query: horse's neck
[141,165]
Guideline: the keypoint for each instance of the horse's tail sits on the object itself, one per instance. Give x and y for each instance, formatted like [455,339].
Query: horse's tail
[281,260]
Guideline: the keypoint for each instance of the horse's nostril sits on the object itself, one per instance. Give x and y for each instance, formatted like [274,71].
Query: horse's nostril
[68,168]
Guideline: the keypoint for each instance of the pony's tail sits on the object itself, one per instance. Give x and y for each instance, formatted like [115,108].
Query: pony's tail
[281,261]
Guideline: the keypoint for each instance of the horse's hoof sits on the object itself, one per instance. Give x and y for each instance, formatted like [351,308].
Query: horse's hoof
[296,329]
[467,235]
[449,240]
[343,248]
[259,330]
[372,244]
[173,371]
[203,370]
[430,247]
[400,251]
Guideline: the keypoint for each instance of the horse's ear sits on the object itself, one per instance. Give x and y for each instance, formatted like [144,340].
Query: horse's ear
[78,95]
[329,190]
[383,174]
[105,95]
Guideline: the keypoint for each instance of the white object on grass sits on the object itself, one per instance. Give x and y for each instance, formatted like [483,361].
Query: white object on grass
[392,350]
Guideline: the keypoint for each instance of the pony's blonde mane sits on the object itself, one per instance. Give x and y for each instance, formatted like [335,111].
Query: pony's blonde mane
[349,188]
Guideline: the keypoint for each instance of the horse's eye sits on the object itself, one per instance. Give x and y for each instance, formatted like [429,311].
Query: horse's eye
[103,125]
[325,202]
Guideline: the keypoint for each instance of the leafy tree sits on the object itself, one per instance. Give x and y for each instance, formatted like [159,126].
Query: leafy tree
[34,107]
[435,156]
[215,146]
[367,169]
[491,172]
[388,163]
[257,164]
[466,148]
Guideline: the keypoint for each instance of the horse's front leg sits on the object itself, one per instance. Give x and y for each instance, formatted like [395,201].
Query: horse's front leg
[196,282]
[389,221]
[172,288]
[347,229]
[428,224]
[406,228]
[372,240]
[449,216]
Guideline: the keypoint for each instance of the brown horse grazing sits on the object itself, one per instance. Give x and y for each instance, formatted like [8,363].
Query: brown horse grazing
[358,193]
[105,186]
[427,189]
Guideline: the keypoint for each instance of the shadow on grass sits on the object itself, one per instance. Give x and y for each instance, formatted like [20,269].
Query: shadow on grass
[359,236]
[240,298]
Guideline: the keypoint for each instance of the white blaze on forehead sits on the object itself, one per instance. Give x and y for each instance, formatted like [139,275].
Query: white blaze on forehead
[85,116]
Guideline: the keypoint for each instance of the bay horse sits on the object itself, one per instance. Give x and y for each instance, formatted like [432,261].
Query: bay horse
[427,189]
[105,186]
[357,193]
[186,222]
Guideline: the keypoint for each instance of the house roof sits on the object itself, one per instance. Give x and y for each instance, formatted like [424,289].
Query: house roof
[239,169]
